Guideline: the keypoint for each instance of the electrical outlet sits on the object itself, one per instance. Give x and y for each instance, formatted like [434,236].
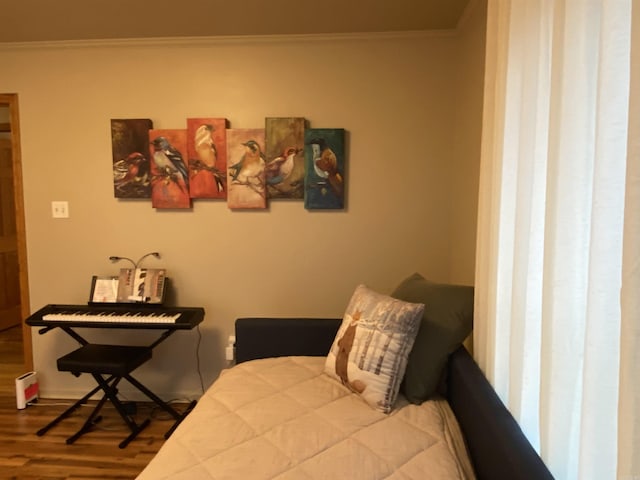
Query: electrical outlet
[230,351]
[230,354]
[60,209]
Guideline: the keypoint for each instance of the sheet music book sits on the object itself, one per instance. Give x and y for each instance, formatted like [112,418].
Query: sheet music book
[141,285]
[104,289]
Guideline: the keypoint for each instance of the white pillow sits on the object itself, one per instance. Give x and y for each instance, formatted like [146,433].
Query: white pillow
[369,354]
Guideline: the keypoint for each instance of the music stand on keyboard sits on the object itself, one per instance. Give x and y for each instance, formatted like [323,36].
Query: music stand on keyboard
[109,364]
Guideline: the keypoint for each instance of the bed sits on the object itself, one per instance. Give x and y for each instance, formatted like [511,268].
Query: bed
[280,414]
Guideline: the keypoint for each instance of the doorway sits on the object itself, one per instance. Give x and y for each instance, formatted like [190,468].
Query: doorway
[14,294]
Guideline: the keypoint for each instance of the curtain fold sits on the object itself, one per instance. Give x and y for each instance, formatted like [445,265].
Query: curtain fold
[551,223]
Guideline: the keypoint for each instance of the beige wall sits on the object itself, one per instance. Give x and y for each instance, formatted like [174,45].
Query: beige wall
[466,142]
[410,154]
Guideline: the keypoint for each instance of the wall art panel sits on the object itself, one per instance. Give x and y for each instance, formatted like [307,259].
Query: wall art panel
[324,173]
[130,156]
[284,171]
[246,171]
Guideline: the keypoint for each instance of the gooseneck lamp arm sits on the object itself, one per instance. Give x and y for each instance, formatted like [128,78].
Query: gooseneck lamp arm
[115,258]
[150,254]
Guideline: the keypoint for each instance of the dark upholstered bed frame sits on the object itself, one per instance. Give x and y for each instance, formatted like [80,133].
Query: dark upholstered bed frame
[498,448]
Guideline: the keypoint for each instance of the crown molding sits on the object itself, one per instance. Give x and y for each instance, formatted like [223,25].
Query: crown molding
[226,40]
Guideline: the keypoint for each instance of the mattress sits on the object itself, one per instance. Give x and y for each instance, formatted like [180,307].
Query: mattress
[284,419]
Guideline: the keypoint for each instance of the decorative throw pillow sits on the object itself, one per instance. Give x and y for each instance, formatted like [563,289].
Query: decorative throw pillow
[446,322]
[370,350]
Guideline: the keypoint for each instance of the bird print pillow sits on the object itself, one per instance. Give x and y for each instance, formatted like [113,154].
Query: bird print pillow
[370,351]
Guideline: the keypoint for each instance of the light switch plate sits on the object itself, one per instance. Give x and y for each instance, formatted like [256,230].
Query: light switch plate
[60,209]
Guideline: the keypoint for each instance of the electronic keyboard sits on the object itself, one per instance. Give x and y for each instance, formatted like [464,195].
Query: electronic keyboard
[133,315]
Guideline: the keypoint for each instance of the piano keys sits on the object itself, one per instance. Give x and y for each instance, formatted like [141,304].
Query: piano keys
[117,316]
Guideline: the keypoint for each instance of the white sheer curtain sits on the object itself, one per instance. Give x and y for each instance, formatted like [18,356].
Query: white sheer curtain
[560,156]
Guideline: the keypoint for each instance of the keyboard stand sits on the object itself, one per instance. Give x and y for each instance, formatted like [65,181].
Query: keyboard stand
[109,364]
[115,361]
[69,410]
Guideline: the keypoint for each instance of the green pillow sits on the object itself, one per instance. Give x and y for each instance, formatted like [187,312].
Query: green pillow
[446,322]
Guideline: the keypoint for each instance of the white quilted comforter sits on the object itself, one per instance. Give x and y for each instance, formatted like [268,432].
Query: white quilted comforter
[282,418]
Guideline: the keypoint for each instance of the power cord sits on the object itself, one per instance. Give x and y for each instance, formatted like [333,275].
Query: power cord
[198,357]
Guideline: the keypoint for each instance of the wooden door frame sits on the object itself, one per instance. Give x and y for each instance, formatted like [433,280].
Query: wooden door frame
[11,100]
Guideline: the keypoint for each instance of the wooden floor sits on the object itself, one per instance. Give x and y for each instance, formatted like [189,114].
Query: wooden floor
[26,456]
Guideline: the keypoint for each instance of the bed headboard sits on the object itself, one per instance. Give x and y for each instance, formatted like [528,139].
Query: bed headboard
[282,337]
[498,448]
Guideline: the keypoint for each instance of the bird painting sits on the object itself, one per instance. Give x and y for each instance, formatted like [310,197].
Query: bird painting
[207,157]
[130,157]
[169,180]
[131,176]
[245,167]
[325,164]
[246,173]
[280,168]
[251,166]
[284,139]
[324,176]
[168,161]
[205,146]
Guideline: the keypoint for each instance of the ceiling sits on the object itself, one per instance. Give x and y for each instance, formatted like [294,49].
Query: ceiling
[63,20]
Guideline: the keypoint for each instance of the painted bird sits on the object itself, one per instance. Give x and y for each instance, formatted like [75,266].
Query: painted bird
[205,146]
[130,170]
[207,153]
[325,164]
[279,169]
[169,162]
[251,165]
